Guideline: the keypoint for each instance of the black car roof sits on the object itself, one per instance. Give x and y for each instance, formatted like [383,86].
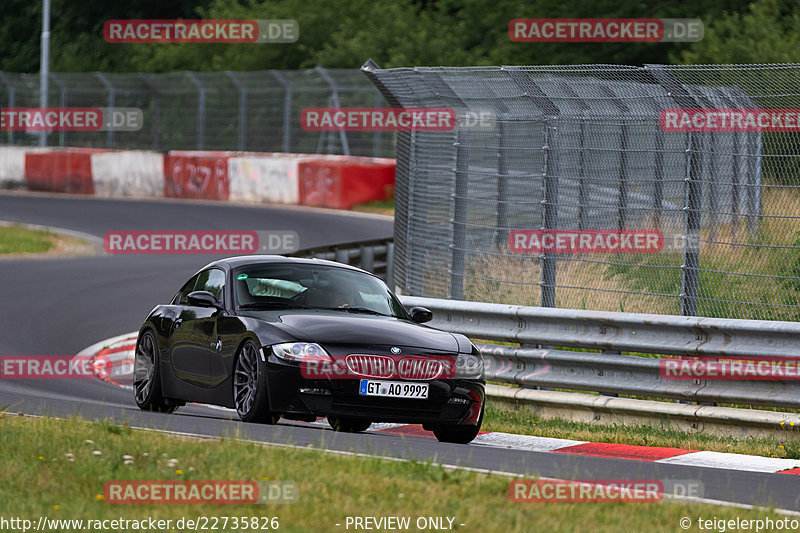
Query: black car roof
[244,260]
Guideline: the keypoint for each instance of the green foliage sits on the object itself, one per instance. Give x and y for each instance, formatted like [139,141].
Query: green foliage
[345,33]
[765,33]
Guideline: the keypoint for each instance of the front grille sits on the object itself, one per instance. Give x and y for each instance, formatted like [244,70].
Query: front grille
[408,367]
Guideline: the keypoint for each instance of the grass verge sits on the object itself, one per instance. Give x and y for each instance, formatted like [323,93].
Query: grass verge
[381,207]
[38,478]
[17,239]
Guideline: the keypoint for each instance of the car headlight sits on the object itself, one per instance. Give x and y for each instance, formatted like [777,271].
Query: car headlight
[297,351]
[469,366]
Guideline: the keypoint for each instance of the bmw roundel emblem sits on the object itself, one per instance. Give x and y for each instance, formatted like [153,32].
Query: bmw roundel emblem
[395,350]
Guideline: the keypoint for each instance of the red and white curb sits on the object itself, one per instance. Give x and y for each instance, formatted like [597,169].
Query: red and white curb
[113,362]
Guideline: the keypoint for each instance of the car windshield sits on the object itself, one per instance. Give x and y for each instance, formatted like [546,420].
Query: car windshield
[281,286]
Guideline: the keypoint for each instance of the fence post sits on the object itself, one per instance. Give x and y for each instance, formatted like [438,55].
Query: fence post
[459,216]
[549,213]
[156,109]
[335,103]
[658,190]
[201,109]
[753,209]
[501,232]
[111,102]
[582,207]
[62,102]
[735,202]
[622,205]
[287,110]
[242,122]
[691,245]
[378,135]
[11,100]
[692,193]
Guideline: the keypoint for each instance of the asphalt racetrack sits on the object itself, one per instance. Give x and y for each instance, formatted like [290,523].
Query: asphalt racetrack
[59,306]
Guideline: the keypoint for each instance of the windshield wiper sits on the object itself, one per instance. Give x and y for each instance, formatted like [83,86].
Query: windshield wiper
[273,305]
[363,310]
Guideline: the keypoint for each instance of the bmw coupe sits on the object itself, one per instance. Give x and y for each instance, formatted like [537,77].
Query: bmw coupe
[274,336]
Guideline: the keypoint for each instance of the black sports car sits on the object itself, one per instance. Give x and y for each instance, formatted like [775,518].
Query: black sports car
[276,337]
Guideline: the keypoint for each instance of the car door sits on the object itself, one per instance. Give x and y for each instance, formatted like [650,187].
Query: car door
[194,336]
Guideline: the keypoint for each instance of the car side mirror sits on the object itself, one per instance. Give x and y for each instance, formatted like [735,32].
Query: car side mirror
[420,314]
[202,299]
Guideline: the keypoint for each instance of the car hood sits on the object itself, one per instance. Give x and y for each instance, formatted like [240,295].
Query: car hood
[343,328]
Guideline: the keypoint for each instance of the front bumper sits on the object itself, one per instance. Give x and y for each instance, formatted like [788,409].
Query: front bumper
[449,402]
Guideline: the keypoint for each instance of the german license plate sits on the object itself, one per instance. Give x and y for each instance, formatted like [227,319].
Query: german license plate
[393,389]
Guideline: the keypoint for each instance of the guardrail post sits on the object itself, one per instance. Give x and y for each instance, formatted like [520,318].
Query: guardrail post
[390,265]
[368,258]
[343,256]
[459,216]
[549,214]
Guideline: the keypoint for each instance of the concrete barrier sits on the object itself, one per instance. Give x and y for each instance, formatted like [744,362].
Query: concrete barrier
[292,179]
[133,173]
[60,170]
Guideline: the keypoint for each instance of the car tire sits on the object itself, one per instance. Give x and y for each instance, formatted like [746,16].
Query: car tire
[458,434]
[147,376]
[348,425]
[250,386]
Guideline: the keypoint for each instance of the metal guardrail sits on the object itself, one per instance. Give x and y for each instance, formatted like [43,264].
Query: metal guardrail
[609,372]
[530,366]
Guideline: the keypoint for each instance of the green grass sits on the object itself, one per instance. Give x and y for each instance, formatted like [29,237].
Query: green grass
[381,207]
[38,478]
[16,239]
[651,283]
[521,420]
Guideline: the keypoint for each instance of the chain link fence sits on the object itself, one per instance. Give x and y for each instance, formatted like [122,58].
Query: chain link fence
[585,150]
[256,111]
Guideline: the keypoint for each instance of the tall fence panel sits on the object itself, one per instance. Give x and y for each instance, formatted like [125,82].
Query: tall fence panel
[257,111]
[589,152]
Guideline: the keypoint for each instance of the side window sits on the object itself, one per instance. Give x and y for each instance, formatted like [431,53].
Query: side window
[211,280]
[180,298]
